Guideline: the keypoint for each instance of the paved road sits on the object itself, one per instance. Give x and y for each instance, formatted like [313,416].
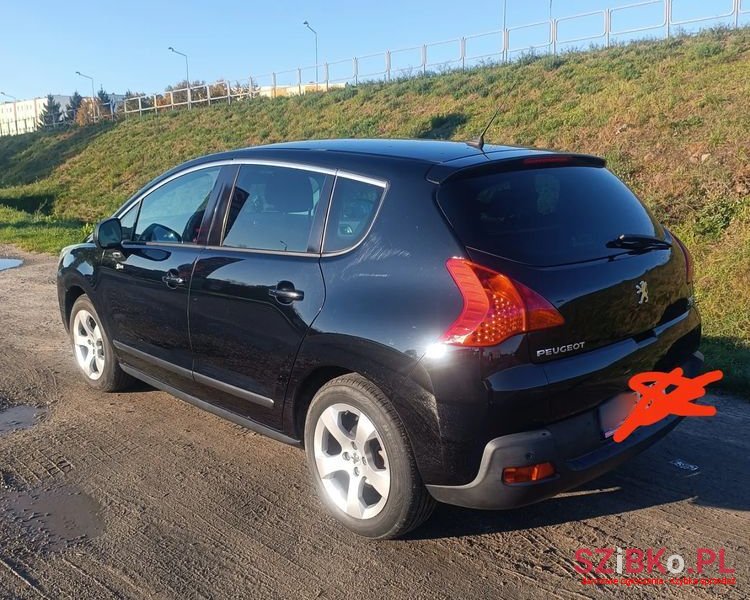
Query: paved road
[139,495]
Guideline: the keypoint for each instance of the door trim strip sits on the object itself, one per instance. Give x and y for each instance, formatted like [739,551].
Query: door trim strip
[215,410]
[197,377]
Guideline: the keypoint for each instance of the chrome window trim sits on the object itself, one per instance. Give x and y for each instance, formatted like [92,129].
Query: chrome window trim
[335,173]
[262,162]
[384,184]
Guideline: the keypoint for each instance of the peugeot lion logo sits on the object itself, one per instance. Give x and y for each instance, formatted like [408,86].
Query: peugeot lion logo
[642,290]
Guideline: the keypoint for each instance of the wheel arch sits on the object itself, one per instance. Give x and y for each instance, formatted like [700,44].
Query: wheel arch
[324,357]
[72,294]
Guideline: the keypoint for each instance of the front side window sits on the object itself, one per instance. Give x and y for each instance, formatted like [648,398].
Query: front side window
[127,222]
[353,208]
[273,208]
[173,213]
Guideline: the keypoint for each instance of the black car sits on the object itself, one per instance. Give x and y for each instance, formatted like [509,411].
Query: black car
[430,320]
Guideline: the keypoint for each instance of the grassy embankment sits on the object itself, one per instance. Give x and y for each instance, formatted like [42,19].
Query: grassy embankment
[671,118]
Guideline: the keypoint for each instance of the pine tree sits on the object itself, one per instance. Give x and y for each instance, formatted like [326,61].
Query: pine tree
[51,112]
[73,106]
[105,107]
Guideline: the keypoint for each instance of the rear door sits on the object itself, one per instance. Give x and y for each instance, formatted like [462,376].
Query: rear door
[256,292]
[144,285]
[549,226]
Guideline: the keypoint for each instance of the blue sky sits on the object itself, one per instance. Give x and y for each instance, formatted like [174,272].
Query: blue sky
[123,44]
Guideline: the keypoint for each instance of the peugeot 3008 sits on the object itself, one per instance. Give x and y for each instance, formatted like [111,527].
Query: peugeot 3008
[431,321]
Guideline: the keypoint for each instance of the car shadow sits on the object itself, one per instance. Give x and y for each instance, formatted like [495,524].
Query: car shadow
[685,466]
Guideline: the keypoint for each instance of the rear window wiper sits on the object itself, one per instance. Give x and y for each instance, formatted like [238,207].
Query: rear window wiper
[632,241]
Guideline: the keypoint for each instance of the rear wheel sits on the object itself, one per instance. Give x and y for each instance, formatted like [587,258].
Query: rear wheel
[361,460]
[93,350]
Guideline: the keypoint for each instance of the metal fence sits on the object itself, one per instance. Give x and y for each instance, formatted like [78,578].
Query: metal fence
[655,19]
[89,113]
[603,28]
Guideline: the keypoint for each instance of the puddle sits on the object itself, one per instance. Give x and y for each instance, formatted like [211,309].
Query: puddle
[53,518]
[14,418]
[9,263]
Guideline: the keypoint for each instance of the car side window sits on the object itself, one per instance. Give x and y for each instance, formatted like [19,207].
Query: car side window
[173,213]
[273,208]
[353,208]
[127,222]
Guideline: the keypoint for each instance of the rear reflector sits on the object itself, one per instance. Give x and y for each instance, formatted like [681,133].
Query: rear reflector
[495,307]
[536,472]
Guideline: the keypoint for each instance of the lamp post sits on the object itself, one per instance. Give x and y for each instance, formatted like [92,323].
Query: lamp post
[94,103]
[187,75]
[505,31]
[315,33]
[15,114]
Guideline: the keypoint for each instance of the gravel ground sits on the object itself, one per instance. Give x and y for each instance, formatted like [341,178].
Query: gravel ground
[139,495]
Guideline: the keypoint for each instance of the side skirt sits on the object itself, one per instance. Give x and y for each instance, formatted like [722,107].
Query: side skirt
[219,412]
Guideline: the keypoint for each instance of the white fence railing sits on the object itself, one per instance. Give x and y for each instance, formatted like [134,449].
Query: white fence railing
[659,18]
[603,27]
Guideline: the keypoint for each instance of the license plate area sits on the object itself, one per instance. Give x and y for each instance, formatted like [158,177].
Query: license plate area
[614,411]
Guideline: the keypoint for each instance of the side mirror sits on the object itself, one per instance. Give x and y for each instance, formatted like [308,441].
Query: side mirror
[108,233]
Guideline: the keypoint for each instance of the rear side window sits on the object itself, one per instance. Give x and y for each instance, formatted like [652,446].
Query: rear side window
[545,216]
[273,208]
[353,208]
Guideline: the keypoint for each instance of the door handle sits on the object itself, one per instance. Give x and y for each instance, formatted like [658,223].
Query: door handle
[285,293]
[172,279]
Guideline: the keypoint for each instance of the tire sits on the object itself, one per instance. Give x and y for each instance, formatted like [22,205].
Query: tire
[344,412]
[93,351]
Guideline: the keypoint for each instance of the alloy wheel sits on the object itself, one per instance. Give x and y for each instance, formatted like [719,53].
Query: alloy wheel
[351,461]
[88,344]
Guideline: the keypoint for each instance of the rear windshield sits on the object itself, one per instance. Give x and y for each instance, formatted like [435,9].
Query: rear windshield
[544,216]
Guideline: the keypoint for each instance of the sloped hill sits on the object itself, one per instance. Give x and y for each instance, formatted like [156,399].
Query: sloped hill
[672,118]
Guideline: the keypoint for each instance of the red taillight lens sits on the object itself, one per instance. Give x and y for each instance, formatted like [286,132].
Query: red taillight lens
[688,258]
[495,307]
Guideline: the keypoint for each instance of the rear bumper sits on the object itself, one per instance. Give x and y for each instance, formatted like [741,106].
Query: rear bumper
[555,444]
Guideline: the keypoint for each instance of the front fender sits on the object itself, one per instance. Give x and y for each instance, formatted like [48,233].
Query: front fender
[76,269]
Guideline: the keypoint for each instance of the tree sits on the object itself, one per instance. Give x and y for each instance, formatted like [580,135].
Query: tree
[51,112]
[103,96]
[87,112]
[105,106]
[73,106]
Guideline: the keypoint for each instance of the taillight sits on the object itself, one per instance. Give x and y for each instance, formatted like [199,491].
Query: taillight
[495,307]
[688,258]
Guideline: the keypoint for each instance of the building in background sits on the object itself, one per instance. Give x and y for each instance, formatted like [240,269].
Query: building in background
[23,116]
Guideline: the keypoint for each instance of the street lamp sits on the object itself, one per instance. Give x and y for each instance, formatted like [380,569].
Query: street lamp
[94,103]
[15,114]
[317,79]
[187,73]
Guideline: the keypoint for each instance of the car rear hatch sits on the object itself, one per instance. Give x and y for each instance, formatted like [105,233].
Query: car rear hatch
[554,223]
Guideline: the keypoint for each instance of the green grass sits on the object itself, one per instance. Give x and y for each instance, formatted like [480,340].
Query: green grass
[671,118]
[39,232]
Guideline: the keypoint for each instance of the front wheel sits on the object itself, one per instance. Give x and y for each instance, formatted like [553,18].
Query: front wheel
[93,350]
[362,462]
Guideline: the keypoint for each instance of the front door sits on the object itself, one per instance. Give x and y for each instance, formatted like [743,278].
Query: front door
[144,285]
[254,297]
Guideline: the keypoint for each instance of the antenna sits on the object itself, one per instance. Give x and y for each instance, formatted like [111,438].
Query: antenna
[479,142]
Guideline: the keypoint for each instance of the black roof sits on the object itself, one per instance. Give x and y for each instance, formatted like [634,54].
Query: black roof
[374,157]
[432,151]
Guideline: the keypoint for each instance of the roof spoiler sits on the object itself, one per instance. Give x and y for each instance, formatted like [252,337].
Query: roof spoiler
[534,160]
